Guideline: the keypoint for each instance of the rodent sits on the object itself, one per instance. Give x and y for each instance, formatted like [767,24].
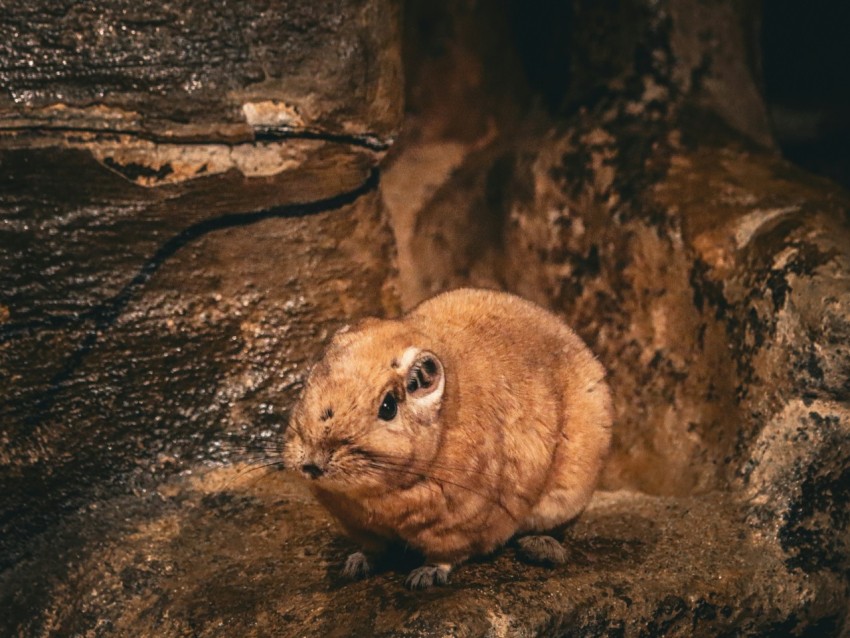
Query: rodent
[476,418]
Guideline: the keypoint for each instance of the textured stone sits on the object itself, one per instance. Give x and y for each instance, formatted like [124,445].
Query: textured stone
[175,326]
[230,551]
[188,209]
[180,69]
[710,276]
[169,92]
[156,317]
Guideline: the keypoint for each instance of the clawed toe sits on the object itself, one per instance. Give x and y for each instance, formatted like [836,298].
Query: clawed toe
[541,550]
[427,576]
[356,566]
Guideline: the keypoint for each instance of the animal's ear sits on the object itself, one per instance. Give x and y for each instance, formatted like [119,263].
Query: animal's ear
[340,335]
[424,382]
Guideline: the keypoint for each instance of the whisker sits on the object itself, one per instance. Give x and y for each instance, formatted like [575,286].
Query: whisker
[261,467]
[441,466]
[404,464]
[403,469]
[256,457]
[260,477]
[252,469]
[264,445]
[252,451]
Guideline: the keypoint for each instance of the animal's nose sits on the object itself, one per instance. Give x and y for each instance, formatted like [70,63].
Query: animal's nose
[312,470]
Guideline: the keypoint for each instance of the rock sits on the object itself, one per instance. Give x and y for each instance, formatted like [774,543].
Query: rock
[229,551]
[182,71]
[708,274]
[174,255]
[176,327]
[185,220]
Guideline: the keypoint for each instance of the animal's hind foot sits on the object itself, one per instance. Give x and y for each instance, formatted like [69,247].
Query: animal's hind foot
[427,576]
[541,550]
[357,566]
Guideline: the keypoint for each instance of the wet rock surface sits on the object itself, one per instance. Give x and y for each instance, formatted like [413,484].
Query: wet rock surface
[172,323]
[182,70]
[709,275]
[181,231]
[174,254]
[224,551]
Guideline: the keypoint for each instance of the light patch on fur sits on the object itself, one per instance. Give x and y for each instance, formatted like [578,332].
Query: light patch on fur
[430,401]
[408,357]
[344,329]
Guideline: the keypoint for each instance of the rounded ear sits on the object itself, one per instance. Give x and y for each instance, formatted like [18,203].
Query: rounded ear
[424,382]
[339,336]
[343,330]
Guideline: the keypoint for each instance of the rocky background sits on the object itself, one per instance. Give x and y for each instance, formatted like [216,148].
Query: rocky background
[195,196]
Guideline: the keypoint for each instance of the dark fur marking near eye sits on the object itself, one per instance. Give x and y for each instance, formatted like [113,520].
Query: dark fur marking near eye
[327,413]
[394,363]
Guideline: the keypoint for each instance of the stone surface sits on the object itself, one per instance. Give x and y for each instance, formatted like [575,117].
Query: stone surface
[634,216]
[175,326]
[171,264]
[709,275]
[184,70]
[168,92]
[231,551]
[188,209]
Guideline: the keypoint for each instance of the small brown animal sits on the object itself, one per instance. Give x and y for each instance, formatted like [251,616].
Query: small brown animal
[475,418]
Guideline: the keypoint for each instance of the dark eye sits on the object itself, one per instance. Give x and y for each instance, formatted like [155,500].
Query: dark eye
[389,408]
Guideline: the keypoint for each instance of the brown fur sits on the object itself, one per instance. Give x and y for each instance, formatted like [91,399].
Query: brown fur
[512,443]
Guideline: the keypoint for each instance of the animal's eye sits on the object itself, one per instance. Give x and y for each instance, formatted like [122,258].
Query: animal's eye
[389,408]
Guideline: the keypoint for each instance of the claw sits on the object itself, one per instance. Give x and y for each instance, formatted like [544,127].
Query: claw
[542,550]
[357,566]
[428,576]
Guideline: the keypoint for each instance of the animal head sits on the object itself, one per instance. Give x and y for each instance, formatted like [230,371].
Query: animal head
[369,416]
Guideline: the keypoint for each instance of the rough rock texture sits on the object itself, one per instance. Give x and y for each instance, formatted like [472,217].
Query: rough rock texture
[649,207]
[183,70]
[166,92]
[230,552]
[188,209]
[175,325]
[653,220]
[190,206]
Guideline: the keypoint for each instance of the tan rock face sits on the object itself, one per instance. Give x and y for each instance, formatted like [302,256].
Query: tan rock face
[229,551]
[190,205]
[704,271]
[185,221]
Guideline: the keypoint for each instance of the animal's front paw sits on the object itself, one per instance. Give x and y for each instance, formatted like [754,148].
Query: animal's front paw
[357,566]
[542,550]
[428,576]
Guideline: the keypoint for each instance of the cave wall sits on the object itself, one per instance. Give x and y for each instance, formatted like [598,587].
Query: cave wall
[189,209]
[648,203]
[194,198]
[629,202]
